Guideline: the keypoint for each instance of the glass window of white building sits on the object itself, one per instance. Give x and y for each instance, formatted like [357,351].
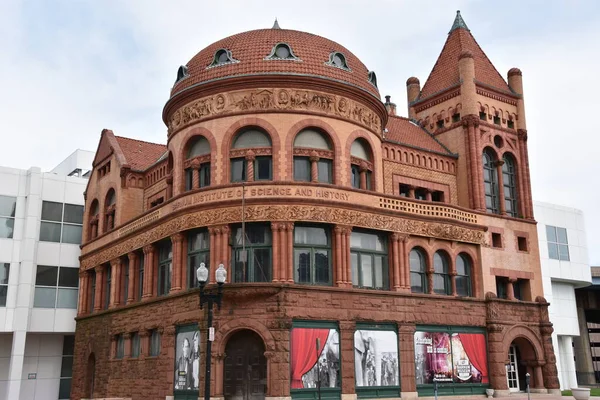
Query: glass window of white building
[56,287]
[61,223]
[558,244]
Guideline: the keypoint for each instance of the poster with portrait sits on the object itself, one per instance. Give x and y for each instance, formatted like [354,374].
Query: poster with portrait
[433,357]
[187,358]
[469,358]
[376,358]
[310,365]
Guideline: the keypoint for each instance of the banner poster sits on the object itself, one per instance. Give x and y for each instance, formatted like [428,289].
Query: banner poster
[456,357]
[309,366]
[187,359]
[376,358]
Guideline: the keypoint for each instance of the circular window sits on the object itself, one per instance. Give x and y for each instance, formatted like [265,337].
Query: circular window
[498,141]
[282,52]
[222,57]
[338,61]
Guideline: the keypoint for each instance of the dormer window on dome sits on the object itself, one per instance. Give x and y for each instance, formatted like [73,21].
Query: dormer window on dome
[222,57]
[338,60]
[282,51]
[182,73]
[372,78]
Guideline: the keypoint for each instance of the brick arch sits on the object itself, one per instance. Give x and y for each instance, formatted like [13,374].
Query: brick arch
[179,155]
[328,130]
[359,133]
[529,344]
[231,327]
[242,123]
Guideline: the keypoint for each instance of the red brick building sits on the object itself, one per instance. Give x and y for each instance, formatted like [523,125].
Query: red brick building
[406,247]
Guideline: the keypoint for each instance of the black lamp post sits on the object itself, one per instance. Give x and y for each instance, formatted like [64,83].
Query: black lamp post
[210,298]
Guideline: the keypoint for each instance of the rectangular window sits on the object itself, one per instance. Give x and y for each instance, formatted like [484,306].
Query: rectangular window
[497,120]
[437,195]
[165,268]
[522,243]
[376,362]
[440,123]
[140,282]
[238,170]
[66,368]
[189,179]
[120,346]
[4,272]
[8,207]
[262,169]
[368,256]
[314,357]
[254,263]
[502,287]
[204,173]
[558,244]
[302,169]
[404,190]
[456,117]
[450,356]
[61,223]
[355,176]
[135,345]
[154,343]
[198,252]
[325,170]
[56,287]
[510,124]
[482,115]
[312,255]
[496,240]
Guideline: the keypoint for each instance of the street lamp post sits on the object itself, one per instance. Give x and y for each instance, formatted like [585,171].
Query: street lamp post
[210,298]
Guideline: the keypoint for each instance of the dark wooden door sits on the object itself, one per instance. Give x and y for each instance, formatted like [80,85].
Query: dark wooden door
[245,374]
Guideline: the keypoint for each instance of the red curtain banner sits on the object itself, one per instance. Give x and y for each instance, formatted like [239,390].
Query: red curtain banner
[304,351]
[474,345]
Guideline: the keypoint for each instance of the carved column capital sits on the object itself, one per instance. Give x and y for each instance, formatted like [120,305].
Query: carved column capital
[470,120]
[114,263]
[148,249]
[275,226]
[177,237]
[170,330]
[99,269]
[132,257]
[522,134]
[250,155]
[314,156]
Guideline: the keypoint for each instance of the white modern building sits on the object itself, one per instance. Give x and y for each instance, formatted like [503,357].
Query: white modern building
[40,231]
[565,267]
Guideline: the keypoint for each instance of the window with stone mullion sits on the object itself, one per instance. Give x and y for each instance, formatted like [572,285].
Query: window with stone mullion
[369,260]
[252,253]
[510,186]
[198,252]
[312,255]
[490,182]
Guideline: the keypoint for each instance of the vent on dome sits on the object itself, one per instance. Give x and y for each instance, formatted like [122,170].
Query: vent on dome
[338,60]
[372,78]
[282,51]
[182,73]
[222,57]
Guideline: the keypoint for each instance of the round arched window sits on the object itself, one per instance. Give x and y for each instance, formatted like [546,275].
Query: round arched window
[251,156]
[313,157]
[441,281]
[197,163]
[361,166]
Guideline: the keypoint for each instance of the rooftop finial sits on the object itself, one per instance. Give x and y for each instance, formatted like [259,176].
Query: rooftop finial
[276,25]
[459,22]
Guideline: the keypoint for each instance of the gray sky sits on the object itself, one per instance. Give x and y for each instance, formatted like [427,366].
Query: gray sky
[70,68]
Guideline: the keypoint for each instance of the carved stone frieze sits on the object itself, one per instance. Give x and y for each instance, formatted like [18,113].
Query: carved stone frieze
[307,152]
[325,214]
[274,100]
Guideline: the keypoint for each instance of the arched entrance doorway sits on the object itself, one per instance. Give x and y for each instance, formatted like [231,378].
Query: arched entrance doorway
[521,360]
[245,369]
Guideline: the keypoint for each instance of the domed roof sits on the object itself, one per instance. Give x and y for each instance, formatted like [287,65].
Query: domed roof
[253,53]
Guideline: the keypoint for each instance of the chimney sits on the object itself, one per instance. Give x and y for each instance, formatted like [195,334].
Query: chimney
[390,107]
[515,82]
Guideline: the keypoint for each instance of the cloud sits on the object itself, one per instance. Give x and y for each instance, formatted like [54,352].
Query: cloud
[69,69]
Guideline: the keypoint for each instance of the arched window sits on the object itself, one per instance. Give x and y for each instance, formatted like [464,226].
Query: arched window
[509,181]
[463,275]
[361,165]
[182,72]
[418,276]
[490,181]
[222,57]
[93,219]
[282,51]
[197,163]
[313,157]
[372,78]
[251,156]
[441,283]
[338,60]
[109,210]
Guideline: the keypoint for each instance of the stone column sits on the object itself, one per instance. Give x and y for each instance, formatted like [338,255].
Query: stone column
[212,245]
[347,268]
[411,191]
[510,289]
[250,157]
[406,347]
[276,248]
[290,252]
[404,264]
[363,175]
[347,329]
[195,174]
[225,251]
[583,356]
[538,379]
[133,268]
[314,167]
[110,222]
[427,194]
[82,301]
[115,287]
[178,262]
[98,290]
[148,272]
[476,182]
[284,268]
[498,358]
[395,261]
[429,271]
[549,371]
[127,345]
[338,259]
[215,258]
